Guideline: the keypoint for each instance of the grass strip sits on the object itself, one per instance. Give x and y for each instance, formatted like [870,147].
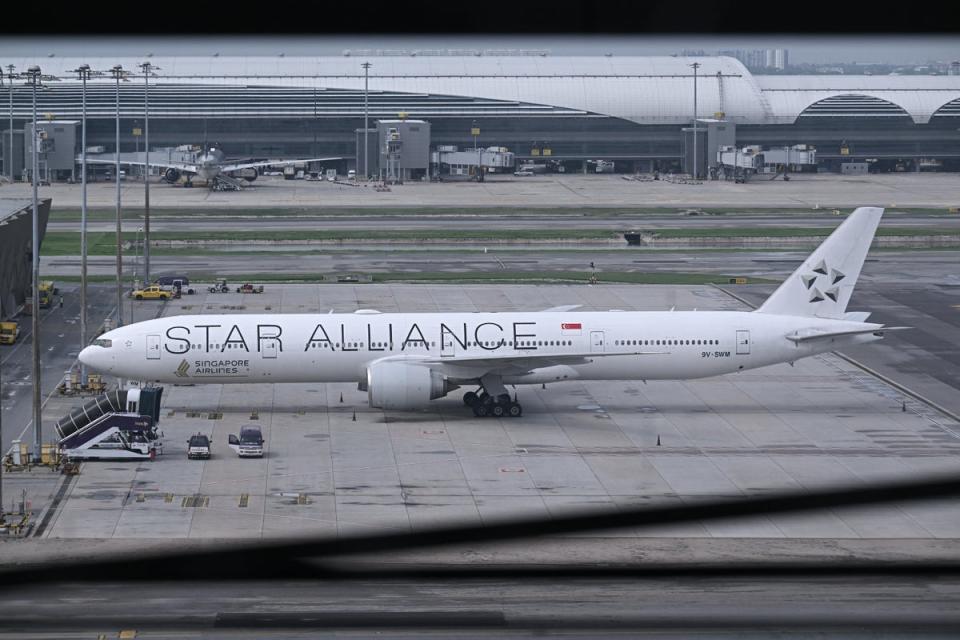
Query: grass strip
[60,243]
[789,232]
[504,277]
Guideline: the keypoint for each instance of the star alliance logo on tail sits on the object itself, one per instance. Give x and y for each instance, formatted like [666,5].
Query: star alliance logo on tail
[814,278]
[182,369]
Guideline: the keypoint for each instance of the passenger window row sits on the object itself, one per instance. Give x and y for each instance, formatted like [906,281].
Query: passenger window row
[625,343]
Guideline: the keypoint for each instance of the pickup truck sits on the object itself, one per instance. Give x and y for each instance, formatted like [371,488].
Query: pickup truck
[9,332]
[154,292]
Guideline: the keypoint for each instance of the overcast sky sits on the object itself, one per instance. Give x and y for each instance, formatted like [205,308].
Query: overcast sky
[897,49]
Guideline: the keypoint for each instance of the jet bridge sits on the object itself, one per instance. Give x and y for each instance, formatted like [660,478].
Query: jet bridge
[740,164]
[117,425]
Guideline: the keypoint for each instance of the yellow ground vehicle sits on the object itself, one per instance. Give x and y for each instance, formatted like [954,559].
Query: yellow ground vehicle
[9,332]
[47,291]
[153,292]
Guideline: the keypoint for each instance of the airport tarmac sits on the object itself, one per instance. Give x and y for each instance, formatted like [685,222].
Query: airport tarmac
[182,221]
[939,190]
[336,467]
[886,267]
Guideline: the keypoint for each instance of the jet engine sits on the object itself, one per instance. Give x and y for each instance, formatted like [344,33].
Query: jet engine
[171,175]
[401,385]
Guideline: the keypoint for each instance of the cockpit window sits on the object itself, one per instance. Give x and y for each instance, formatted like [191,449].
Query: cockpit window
[103,342]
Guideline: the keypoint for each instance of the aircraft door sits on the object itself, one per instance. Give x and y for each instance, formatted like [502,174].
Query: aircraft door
[743,343]
[153,347]
[270,348]
[596,342]
[447,346]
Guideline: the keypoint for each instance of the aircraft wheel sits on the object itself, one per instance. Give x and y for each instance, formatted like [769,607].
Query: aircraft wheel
[470,398]
[498,410]
[515,410]
[481,410]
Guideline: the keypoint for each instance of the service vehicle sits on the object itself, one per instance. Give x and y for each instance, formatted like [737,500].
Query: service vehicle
[220,286]
[250,442]
[523,172]
[198,447]
[9,332]
[179,283]
[46,293]
[249,288]
[153,292]
[351,174]
[332,175]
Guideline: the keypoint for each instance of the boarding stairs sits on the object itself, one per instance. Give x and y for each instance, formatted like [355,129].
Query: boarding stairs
[116,426]
[227,183]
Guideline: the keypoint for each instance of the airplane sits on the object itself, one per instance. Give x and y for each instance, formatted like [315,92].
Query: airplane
[405,360]
[208,166]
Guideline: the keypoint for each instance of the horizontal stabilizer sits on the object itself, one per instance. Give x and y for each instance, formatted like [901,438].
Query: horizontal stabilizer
[808,336]
[856,316]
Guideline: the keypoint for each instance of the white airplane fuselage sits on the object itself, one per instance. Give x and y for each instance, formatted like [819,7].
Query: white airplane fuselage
[340,347]
[405,360]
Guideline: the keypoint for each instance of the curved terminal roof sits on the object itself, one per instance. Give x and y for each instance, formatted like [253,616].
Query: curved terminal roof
[645,90]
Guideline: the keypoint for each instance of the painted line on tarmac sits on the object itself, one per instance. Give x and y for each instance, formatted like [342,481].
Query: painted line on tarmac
[876,374]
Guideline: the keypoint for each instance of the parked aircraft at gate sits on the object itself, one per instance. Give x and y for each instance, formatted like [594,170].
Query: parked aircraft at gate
[210,165]
[405,360]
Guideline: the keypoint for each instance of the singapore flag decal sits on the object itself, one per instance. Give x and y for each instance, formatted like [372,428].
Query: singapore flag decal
[571,328]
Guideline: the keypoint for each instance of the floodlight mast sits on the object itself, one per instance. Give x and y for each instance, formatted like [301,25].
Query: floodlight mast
[118,74]
[33,76]
[148,68]
[11,76]
[695,65]
[84,72]
[366,116]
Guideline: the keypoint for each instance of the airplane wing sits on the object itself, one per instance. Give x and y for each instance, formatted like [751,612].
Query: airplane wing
[806,336]
[521,362]
[267,163]
[180,166]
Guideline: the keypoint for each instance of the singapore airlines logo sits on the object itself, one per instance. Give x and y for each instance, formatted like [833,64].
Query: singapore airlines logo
[822,281]
[182,369]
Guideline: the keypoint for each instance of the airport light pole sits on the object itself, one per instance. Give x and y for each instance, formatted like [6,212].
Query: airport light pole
[118,73]
[10,78]
[366,117]
[148,70]
[85,74]
[695,65]
[33,75]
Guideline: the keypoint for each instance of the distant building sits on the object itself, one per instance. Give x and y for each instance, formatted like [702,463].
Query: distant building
[630,110]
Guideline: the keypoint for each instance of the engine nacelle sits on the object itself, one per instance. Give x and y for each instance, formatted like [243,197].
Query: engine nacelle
[171,175]
[401,385]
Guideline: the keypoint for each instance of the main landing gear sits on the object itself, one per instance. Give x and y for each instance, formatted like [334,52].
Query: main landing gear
[492,399]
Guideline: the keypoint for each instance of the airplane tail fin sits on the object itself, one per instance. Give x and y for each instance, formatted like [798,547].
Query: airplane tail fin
[823,284]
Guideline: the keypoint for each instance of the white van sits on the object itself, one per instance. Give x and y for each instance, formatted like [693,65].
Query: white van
[249,444]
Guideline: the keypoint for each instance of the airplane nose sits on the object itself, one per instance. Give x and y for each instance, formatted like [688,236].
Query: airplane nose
[97,358]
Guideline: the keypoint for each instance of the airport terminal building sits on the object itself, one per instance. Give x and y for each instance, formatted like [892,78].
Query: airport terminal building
[631,110]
